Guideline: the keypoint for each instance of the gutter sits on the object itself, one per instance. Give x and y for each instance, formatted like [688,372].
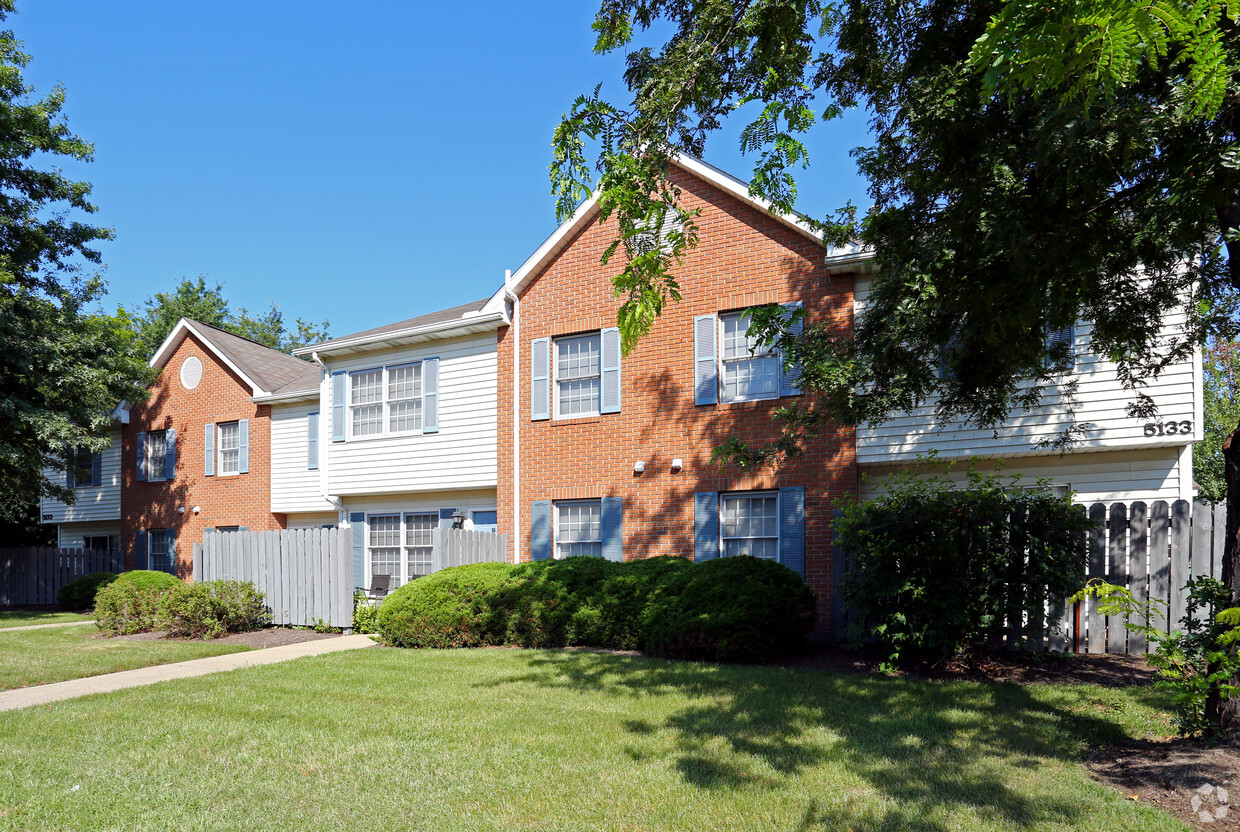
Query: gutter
[329,347]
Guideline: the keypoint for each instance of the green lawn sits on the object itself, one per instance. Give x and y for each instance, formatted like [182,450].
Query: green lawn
[36,657]
[531,740]
[25,618]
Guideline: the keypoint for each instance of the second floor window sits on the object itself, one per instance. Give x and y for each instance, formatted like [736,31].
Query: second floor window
[230,448]
[577,375]
[85,469]
[750,369]
[366,403]
[395,400]
[156,454]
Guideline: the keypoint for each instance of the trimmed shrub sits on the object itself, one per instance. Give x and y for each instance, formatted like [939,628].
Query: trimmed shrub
[132,602]
[737,609]
[451,608]
[937,568]
[580,601]
[80,594]
[214,608]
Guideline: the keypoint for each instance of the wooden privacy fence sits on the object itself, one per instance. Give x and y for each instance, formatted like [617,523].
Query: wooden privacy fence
[457,547]
[1151,549]
[31,576]
[306,574]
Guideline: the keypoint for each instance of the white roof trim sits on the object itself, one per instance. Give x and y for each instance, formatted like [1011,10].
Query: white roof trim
[286,398]
[708,173]
[174,339]
[478,317]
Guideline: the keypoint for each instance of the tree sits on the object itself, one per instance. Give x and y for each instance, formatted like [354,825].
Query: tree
[63,367]
[198,301]
[1031,163]
[1221,414]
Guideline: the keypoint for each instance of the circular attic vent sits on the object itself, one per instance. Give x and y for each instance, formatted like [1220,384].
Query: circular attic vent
[191,372]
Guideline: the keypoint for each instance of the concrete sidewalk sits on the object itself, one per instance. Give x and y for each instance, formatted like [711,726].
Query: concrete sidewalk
[42,694]
[45,626]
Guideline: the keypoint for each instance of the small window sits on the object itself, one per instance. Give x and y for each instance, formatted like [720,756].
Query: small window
[578,528]
[156,455]
[383,545]
[404,396]
[229,445]
[1060,354]
[750,370]
[750,524]
[366,403]
[577,375]
[228,528]
[161,558]
[98,542]
[419,543]
[83,471]
[484,521]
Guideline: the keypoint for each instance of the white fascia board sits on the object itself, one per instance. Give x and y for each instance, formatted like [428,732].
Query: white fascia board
[174,339]
[286,398]
[444,329]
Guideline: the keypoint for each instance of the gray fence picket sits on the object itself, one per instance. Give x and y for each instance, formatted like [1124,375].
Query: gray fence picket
[1181,560]
[1095,635]
[1218,514]
[1117,572]
[1202,542]
[1160,564]
[1138,568]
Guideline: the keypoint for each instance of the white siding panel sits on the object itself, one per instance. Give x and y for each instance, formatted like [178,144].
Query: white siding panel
[294,487]
[462,455]
[1101,409]
[96,503]
[1104,476]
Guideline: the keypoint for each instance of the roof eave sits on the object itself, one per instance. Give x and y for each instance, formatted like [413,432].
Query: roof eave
[286,398]
[401,337]
[185,325]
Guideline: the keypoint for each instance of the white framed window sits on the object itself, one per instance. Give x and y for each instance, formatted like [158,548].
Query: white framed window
[400,544]
[749,524]
[748,369]
[160,557]
[484,520]
[83,473]
[386,401]
[578,528]
[228,448]
[101,542]
[578,375]
[156,455]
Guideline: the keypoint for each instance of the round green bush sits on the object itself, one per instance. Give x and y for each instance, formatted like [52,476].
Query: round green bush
[132,603]
[213,608]
[451,608]
[738,609]
[80,594]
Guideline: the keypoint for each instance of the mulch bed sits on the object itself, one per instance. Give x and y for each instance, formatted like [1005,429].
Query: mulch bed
[270,637]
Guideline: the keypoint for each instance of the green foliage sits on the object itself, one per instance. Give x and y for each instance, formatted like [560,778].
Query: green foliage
[581,601]
[365,614]
[451,608]
[1220,416]
[133,603]
[196,300]
[737,609]
[937,568]
[80,594]
[212,609]
[1197,664]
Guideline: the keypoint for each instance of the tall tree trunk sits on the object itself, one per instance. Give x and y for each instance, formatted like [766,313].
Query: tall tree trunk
[1219,711]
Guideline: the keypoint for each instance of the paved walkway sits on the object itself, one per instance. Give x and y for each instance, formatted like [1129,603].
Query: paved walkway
[42,694]
[44,626]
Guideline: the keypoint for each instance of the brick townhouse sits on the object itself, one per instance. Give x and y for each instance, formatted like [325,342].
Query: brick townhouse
[608,455]
[196,455]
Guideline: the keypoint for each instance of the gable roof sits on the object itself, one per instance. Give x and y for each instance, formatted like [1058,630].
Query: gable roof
[265,370]
[458,320]
[834,257]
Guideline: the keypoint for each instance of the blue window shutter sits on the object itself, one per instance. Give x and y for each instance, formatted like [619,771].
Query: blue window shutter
[613,528]
[705,526]
[208,449]
[338,385]
[430,395]
[96,469]
[170,454]
[171,537]
[357,523]
[705,359]
[540,379]
[139,549]
[69,481]
[312,441]
[540,530]
[609,400]
[243,446]
[141,456]
[790,377]
[792,529]
[445,517]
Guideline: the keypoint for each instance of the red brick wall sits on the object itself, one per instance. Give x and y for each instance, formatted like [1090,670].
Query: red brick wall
[744,258]
[240,500]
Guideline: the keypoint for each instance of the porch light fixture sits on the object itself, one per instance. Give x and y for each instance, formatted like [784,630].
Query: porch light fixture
[458,519]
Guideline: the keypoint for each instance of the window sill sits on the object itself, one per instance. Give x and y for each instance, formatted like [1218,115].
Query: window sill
[566,421]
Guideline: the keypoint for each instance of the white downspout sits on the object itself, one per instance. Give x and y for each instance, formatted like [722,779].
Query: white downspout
[342,517]
[511,296]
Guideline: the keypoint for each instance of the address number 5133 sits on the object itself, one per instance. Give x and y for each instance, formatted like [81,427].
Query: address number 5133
[1168,428]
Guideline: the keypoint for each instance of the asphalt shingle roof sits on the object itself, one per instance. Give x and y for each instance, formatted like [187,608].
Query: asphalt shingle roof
[442,316]
[272,370]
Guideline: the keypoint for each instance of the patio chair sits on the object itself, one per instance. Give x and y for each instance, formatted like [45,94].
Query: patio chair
[379,586]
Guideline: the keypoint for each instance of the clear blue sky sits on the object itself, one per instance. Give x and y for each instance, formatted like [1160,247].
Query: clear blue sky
[363,162]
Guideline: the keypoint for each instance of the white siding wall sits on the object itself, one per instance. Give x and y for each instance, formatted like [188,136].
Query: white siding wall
[1104,476]
[461,455]
[1101,403]
[314,520]
[102,502]
[294,487]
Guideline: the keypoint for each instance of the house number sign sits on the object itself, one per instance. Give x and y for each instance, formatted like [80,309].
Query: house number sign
[1168,428]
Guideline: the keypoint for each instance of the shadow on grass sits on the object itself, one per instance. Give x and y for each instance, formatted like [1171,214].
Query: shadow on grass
[925,748]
